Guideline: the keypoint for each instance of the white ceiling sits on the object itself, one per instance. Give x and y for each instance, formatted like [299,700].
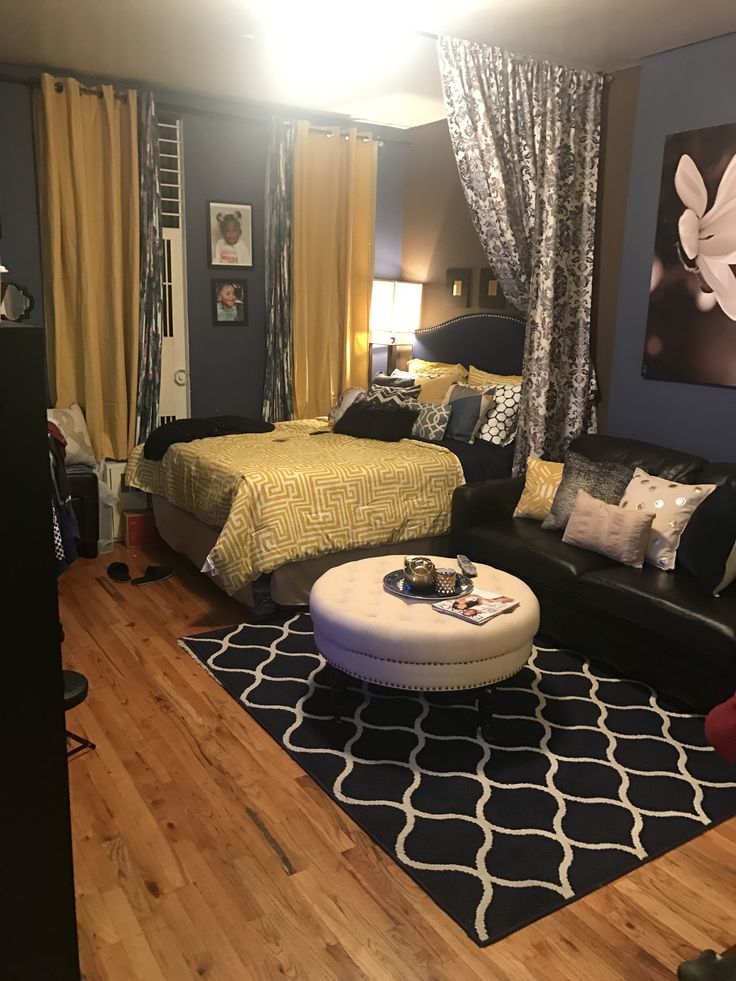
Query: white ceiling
[199,45]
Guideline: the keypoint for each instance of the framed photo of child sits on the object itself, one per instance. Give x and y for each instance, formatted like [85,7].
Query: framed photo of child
[230,234]
[230,301]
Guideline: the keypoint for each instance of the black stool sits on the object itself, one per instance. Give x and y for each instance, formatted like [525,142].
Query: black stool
[75,692]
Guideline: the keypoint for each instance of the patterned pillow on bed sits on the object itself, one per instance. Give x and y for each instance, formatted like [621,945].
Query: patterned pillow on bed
[383,395]
[392,381]
[432,422]
[345,400]
[499,426]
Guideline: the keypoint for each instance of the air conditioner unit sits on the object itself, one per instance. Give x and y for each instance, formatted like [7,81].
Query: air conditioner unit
[124,499]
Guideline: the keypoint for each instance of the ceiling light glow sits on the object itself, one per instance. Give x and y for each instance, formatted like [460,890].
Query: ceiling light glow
[332,44]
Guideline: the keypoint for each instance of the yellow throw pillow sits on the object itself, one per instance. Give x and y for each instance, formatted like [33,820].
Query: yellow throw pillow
[435,389]
[486,378]
[542,480]
[434,369]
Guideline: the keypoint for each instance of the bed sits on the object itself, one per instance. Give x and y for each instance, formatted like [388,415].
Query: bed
[266,514]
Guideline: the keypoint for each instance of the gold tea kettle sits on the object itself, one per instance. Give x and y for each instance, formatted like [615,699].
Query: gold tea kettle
[419,572]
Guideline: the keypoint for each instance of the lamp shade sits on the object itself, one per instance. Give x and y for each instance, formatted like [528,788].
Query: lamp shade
[395,311]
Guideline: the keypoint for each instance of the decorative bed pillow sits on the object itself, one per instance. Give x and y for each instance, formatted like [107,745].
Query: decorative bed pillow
[78,444]
[609,530]
[486,378]
[348,398]
[469,409]
[388,423]
[708,544]
[404,380]
[606,481]
[435,369]
[432,422]
[540,486]
[435,389]
[673,505]
[386,395]
[500,425]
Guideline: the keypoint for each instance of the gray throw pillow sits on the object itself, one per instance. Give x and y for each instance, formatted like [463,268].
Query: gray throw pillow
[604,481]
[432,422]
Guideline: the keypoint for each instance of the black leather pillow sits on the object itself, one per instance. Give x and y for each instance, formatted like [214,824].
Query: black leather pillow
[388,423]
[606,481]
[709,540]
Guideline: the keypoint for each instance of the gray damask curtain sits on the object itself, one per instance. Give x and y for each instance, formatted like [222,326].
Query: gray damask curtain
[526,136]
[278,381]
[150,326]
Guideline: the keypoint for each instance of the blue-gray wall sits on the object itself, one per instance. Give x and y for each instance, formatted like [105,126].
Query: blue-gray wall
[19,244]
[392,160]
[685,89]
[224,160]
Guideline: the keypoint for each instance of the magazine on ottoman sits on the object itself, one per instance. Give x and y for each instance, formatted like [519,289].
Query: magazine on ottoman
[477,607]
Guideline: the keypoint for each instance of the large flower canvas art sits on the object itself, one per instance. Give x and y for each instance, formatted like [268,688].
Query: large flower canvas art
[691,325]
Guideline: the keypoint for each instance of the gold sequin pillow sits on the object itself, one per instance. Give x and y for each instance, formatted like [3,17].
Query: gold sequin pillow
[672,506]
[540,486]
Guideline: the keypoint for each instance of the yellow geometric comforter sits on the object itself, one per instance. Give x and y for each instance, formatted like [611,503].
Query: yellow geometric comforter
[285,495]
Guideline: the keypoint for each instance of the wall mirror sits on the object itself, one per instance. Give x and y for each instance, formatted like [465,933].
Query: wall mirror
[16,302]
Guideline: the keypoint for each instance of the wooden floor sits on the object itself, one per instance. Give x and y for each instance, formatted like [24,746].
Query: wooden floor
[202,850]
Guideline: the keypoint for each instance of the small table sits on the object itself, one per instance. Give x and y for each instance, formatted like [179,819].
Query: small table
[371,634]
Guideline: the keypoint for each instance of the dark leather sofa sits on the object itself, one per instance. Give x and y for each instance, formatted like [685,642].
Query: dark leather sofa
[661,628]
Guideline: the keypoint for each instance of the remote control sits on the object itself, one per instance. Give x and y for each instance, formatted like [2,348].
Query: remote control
[467,566]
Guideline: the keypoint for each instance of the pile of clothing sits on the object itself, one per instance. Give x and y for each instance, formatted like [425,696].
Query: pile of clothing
[66,529]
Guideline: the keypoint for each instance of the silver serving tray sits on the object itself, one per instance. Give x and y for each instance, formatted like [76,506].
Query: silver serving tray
[395,582]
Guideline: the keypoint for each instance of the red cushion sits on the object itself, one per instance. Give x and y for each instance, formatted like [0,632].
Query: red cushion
[720,729]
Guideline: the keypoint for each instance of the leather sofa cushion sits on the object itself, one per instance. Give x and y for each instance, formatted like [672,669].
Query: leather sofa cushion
[672,604]
[656,460]
[718,473]
[520,546]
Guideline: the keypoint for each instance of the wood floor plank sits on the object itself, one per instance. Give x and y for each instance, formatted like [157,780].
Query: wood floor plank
[203,851]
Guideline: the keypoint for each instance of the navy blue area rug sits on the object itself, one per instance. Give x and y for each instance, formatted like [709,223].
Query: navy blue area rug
[585,777]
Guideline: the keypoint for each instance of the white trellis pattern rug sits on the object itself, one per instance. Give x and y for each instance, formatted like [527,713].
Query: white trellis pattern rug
[585,777]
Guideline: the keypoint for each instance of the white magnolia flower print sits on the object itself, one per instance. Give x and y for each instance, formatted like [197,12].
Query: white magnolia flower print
[708,238]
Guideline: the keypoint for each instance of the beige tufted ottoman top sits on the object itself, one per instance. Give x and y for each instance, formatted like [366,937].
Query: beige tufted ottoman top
[372,634]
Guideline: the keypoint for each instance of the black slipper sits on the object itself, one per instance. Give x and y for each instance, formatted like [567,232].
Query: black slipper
[118,571]
[154,573]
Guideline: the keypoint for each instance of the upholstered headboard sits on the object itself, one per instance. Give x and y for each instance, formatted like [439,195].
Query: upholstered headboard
[490,341]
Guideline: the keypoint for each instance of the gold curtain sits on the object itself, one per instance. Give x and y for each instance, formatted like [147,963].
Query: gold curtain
[334,229]
[87,148]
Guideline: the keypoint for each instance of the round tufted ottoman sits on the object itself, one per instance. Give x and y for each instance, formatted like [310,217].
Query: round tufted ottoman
[371,634]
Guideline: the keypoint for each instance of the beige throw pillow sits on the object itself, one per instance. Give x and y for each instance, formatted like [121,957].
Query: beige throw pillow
[672,506]
[609,530]
[542,480]
[72,424]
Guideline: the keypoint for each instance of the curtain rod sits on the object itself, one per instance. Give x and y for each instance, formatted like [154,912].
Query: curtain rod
[93,90]
[327,131]
[165,105]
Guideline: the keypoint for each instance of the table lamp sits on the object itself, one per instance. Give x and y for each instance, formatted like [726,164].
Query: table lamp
[395,314]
